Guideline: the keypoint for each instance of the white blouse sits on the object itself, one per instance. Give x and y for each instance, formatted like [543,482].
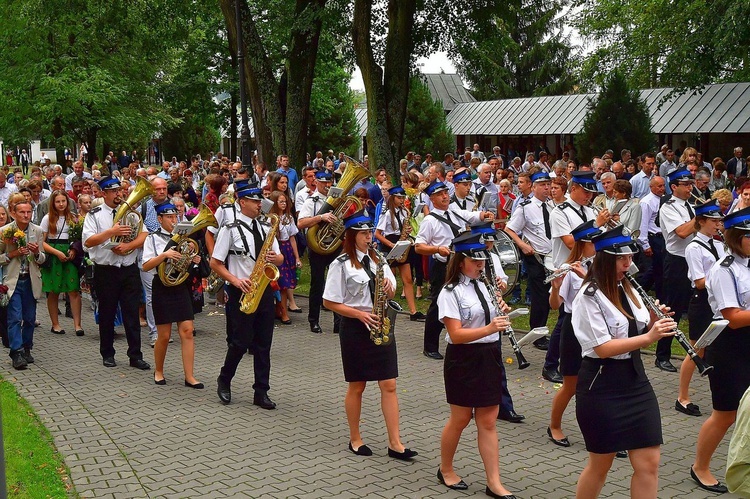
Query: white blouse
[350,286]
[61,227]
[462,303]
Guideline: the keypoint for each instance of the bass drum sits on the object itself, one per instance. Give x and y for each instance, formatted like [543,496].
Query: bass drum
[509,258]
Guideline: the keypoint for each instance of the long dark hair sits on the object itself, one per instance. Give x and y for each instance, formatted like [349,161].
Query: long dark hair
[350,248]
[733,239]
[391,205]
[54,216]
[576,253]
[453,272]
[602,272]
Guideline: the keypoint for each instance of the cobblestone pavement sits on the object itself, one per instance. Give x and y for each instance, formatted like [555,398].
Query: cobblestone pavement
[122,436]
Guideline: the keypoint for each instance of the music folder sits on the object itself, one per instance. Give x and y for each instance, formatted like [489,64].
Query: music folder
[711,333]
[182,228]
[533,335]
[398,249]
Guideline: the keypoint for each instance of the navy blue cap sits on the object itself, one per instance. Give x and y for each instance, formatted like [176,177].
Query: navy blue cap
[470,245]
[679,175]
[358,221]
[107,183]
[435,187]
[709,209]
[241,183]
[616,241]
[252,191]
[585,179]
[324,175]
[486,230]
[397,190]
[585,232]
[540,177]
[739,220]
[165,209]
[462,176]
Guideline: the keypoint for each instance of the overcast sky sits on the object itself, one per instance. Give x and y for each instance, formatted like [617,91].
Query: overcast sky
[436,63]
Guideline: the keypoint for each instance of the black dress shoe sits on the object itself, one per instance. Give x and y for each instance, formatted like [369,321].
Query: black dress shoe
[552,375]
[407,455]
[690,409]
[160,382]
[417,317]
[140,364]
[109,362]
[718,487]
[433,355]
[563,442]
[511,416]
[197,386]
[456,486]
[542,343]
[224,391]
[315,328]
[263,401]
[488,492]
[19,362]
[362,450]
[665,365]
[622,454]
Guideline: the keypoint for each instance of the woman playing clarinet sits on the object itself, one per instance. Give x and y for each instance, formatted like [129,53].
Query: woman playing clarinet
[616,406]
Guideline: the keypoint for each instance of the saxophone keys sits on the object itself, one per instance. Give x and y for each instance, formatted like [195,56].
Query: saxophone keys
[386,339]
[377,341]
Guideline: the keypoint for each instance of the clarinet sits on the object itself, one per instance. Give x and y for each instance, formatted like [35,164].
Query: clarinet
[703,367]
[522,362]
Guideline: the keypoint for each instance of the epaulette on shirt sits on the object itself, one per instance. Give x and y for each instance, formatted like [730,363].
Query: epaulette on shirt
[96,210]
[727,261]
[450,287]
[524,203]
[669,201]
[564,205]
[343,258]
[231,225]
[591,289]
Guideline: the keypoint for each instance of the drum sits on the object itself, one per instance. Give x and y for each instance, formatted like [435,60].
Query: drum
[509,259]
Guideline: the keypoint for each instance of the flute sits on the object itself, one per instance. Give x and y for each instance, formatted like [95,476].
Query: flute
[565,268]
[703,367]
[522,362]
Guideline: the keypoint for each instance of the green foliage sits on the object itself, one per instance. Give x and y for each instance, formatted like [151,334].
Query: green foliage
[617,119]
[680,43]
[189,138]
[426,129]
[514,49]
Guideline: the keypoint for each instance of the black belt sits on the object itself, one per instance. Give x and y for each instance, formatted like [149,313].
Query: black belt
[22,277]
[238,253]
[655,234]
[602,362]
[58,241]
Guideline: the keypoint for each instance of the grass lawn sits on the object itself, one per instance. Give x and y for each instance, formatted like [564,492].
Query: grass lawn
[33,467]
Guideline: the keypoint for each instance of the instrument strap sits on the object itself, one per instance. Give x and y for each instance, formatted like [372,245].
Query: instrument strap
[454,228]
[704,245]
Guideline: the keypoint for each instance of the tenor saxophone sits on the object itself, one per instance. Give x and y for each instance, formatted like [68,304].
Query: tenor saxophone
[263,273]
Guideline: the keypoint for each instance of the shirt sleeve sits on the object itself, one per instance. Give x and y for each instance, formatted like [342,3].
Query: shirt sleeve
[723,287]
[335,283]
[44,224]
[149,248]
[223,243]
[694,258]
[589,323]
[89,227]
[447,305]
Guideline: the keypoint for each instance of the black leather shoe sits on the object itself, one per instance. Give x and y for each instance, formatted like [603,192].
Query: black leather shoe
[315,328]
[690,409]
[80,332]
[563,442]
[362,450]
[488,492]
[417,317]
[665,365]
[109,362]
[19,362]
[511,416]
[718,487]
[553,376]
[197,386]
[224,391]
[52,330]
[263,401]
[407,455]
[160,382]
[140,364]
[622,454]
[456,486]
[542,343]
[27,356]
[433,355]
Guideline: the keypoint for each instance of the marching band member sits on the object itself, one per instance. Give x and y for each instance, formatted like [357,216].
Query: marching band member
[235,255]
[701,253]
[473,356]
[171,303]
[728,285]
[117,278]
[390,227]
[346,293]
[616,406]
[562,293]
[462,198]
[677,226]
[436,232]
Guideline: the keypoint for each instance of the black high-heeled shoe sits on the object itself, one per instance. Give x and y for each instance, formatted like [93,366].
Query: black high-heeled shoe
[563,442]
[456,486]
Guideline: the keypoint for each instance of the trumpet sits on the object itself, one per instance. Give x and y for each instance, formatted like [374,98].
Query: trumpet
[522,362]
[697,198]
[611,223]
[703,367]
[565,268]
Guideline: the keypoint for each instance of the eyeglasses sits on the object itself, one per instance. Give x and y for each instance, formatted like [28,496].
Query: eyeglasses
[746,236]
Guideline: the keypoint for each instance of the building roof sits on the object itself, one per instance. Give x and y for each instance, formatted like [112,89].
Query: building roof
[448,89]
[721,108]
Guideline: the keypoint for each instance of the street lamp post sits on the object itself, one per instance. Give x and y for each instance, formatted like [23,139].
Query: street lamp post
[245,133]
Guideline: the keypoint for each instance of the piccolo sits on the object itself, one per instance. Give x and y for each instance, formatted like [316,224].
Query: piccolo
[522,362]
[703,367]
[565,268]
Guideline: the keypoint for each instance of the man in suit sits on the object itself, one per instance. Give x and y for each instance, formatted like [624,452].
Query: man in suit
[737,166]
[21,257]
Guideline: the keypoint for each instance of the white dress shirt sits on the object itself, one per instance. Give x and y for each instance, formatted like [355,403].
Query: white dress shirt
[98,220]
[563,219]
[649,211]
[529,220]
[230,239]
[728,286]
[672,214]
[349,285]
[699,257]
[461,302]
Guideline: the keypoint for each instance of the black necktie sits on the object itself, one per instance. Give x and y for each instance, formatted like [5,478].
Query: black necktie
[114,214]
[713,249]
[583,215]
[257,237]
[482,300]
[368,271]
[545,214]
[690,210]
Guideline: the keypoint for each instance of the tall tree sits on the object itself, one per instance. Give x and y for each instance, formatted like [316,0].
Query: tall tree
[617,119]
[426,129]
[514,49]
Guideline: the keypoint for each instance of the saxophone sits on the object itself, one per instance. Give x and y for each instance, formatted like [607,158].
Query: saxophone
[384,308]
[263,273]
[404,234]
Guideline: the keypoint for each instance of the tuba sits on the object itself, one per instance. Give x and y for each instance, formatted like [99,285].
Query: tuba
[263,272]
[127,214]
[325,238]
[175,272]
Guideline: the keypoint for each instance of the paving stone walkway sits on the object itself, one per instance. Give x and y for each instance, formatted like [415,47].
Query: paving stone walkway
[122,436]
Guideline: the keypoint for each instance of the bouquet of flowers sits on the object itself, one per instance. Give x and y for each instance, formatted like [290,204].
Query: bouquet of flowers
[4,297]
[75,231]
[15,235]
[412,200]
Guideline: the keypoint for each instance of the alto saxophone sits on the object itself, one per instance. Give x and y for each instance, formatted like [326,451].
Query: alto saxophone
[404,235]
[263,273]
[384,308]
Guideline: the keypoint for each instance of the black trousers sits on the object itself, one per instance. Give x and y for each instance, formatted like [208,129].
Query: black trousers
[113,286]
[552,358]
[677,296]
[651,269]
[539,292]
[432,325]
[318,266]
[250,330]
